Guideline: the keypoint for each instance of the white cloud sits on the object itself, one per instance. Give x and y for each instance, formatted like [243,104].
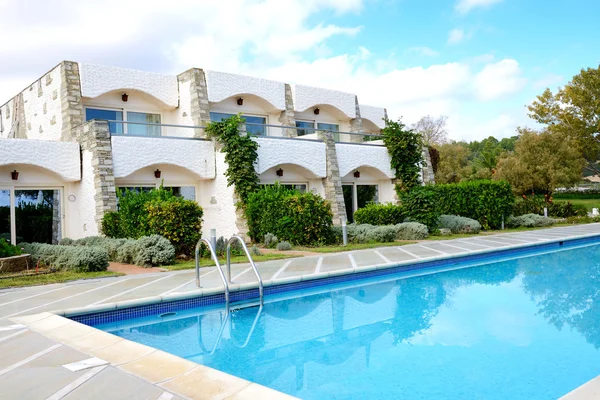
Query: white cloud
[499,79]
[464,6]
[424,51]
[275,39]
[548,80]
[456,36]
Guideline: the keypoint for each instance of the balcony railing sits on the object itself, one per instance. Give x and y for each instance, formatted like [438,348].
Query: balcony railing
[143,129]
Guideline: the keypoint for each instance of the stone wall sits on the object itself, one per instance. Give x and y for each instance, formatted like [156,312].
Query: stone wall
[288,117]
[70,98]
[356,124]
[427,169]
[94,137]
[199,107]
[333,182]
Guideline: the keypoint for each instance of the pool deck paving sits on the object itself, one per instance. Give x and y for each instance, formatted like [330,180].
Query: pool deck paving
[46,356]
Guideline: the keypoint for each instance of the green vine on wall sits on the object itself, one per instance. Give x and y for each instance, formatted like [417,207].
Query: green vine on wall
[405,147]
[240,156]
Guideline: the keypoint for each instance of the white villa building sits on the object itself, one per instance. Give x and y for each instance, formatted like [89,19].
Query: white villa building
[81,131]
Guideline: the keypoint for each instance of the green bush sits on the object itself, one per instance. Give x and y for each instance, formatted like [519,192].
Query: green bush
[8,250]
[577,194]
[380,214]
[156,212]
[127,252]
[485,201]
[68,258]
[299,218]
[154,250]
[284,246]
[382,234]
[421,205]
[582,219]
[458,224]
[411,231]
[255,251]
[559,209]
[529,221]
[270,241]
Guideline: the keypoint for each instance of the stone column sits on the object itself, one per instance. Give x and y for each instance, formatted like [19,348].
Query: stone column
[427,169]
[70,98]
[199,106]
[288,117]
[333,181]
[56,206]
[94,137]
[356,124]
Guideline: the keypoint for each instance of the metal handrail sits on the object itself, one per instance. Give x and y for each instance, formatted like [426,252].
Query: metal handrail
[213,253]
[258,313]
[260,282]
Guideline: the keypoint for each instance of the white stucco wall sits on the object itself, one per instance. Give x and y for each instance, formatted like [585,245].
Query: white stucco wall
[353,156]
[62,158]
[221,85]
[252,106]
[41,107]
[373,114]
[307,154]
[133,153]
[292,174]
[308,96]
[99,79]
[80,209]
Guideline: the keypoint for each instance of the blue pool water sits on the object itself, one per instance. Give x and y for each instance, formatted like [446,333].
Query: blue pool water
[527,328]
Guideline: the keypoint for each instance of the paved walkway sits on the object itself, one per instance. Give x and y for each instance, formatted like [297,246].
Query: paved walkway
[32,365]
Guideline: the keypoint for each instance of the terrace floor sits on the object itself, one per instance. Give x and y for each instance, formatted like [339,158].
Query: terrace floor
[35,365]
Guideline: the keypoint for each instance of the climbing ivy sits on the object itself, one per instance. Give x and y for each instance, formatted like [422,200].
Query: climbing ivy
[240,155]
[405,148]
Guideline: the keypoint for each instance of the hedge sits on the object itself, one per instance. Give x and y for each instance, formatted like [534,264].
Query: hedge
[577,194]
[366,233]
[298,218]
[380,214]
[529,221]
[485,201]
[71,258]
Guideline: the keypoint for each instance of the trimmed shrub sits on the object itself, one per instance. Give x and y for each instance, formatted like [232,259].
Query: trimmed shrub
[458,224]
[299,218]
[421,205]
[270,241]
[255,251]
[127,252]
[411,231]
[284,246]
[380,214]
[529,221]
[153,250]
[8,250]
[68,258]
[111,224]
[382,234]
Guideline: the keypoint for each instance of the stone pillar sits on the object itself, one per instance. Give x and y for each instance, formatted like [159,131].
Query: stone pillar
[19,127]
[356,124]
[94,137]
[333,181]
[56,206]
[288,117]
[427,169]
[199,107]
[70,98]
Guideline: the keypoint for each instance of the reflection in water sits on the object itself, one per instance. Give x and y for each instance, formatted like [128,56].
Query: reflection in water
[526,328]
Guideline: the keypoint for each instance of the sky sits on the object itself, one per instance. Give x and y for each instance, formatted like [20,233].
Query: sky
[479,62]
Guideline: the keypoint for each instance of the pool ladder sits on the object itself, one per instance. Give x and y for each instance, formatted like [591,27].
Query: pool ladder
[227,280]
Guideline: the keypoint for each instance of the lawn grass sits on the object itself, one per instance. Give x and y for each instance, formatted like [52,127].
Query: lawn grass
[53,277]
[588,203]
[349,247]
[205,262]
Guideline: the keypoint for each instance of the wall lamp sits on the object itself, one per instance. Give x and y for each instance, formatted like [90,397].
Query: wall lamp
[240,101]
[357,174]
[279,172]
[317,111]
[125,97]
[14,175]
[157,174]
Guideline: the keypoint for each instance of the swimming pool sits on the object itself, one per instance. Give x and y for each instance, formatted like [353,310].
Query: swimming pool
[520,328]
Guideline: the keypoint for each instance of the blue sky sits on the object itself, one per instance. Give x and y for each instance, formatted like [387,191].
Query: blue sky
[477,61]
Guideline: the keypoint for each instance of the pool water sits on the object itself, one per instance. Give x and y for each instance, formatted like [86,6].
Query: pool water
[527,328]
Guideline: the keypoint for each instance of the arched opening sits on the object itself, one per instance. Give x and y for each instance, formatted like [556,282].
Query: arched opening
[181,181]
[254,109]
[324,117]
[364,185]
[370,127]
[293,176]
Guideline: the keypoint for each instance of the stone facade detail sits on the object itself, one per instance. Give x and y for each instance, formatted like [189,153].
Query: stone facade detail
[288,117]
[332,183]
[427,169]
[70,98]
[356,124]
[200,109]
[19,126]
[94,137]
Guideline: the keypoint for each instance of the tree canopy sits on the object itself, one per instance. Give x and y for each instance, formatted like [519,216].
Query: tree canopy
[432,130]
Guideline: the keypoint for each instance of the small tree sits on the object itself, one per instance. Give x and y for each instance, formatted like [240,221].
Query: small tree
[405,147]
[433,130]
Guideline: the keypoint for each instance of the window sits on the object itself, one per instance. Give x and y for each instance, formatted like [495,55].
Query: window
[330,127]
[307,127]
[250,119]
[358,196]
[111,115]
[143,130]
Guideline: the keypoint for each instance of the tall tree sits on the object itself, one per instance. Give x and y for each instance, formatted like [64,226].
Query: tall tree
[432,130]
[541,162]
[574,111]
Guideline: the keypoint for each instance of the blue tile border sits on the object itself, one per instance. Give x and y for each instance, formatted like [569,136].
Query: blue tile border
[105,317]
